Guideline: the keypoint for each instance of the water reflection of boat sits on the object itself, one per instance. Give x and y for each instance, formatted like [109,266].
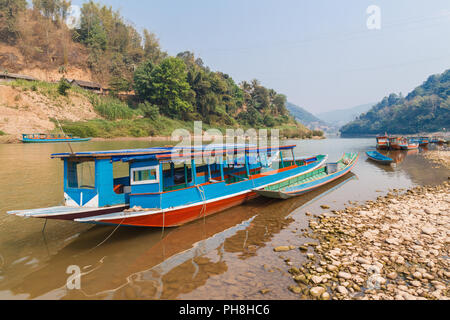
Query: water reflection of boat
[399,155]
[136,263]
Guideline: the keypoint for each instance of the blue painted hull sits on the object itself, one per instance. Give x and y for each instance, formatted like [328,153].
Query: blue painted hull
[55,140]
[378,157]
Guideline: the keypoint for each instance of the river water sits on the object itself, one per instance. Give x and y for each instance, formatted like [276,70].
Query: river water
[226,256]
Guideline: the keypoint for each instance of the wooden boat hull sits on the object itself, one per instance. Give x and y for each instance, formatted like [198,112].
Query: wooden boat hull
[177,217]
[307,186]
[379,158]
[409,147]
[55,140]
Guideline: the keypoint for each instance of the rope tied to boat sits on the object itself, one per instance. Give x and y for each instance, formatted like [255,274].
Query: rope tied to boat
[110,235]
[203,196]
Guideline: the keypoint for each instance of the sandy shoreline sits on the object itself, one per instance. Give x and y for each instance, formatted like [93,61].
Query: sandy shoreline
[394,248]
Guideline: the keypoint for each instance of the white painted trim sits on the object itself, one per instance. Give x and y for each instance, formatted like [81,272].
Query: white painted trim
[69,202]
[148,213]
[93,203]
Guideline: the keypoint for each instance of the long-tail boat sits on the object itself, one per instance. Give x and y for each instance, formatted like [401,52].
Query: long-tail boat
[421,141]
[401,143]
[437,140]
[383,142]
[51,138]
[316,178]
[166,187]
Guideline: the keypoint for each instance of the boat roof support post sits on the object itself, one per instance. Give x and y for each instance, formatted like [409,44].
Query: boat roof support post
[161,174]
[246,165]
[293,157]
[185,174]
[222,175]
[172,169]
[194,172]
[209,170]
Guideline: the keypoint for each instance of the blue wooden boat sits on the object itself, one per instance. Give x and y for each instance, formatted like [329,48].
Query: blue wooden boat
[421,141]
[437,140]
[378,157]
[50,138]
[299,185]
[166,187]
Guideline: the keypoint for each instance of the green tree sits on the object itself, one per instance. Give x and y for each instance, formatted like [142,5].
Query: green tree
[149,111]
[143,86]
[152,48]
[165,86]
[63,86]
[9,12]
[92,32]
[118,84]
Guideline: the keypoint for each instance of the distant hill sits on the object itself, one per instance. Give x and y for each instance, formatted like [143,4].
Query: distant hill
[425,109]
[341,117]
[306,118]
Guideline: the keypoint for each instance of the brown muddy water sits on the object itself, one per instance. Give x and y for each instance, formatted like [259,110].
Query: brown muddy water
[226,256]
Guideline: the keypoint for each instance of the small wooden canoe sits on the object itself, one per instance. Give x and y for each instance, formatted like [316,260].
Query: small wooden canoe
[312,180]
[378,157]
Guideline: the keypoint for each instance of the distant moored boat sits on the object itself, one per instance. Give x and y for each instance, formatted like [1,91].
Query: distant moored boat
[383,142]
[50,138]
[378,157]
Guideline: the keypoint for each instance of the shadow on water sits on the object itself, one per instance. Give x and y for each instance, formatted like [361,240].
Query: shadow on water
[149,264]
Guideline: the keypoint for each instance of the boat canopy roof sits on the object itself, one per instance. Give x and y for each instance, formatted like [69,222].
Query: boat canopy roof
[166,153]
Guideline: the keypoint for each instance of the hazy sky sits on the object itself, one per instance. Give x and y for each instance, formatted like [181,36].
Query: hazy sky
[319,53]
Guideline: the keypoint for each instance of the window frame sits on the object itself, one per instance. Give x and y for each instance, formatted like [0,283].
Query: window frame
[133,170]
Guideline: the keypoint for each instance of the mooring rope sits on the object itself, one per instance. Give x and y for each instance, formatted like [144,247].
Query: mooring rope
[203,196]
[110,235]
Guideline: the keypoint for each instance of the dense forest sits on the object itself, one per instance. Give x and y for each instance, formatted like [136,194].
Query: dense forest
[126,61]
[425,109]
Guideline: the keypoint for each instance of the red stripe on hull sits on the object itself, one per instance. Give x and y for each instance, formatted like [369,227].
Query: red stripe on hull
[93,213]
[181,216]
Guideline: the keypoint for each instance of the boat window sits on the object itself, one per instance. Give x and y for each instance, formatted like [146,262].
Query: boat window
[81,175]
[145,175]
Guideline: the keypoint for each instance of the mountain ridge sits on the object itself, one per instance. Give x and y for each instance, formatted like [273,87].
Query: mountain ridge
[424,109]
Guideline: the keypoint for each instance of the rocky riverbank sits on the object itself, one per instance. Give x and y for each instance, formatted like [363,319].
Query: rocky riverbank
[441,157]
[394,248]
